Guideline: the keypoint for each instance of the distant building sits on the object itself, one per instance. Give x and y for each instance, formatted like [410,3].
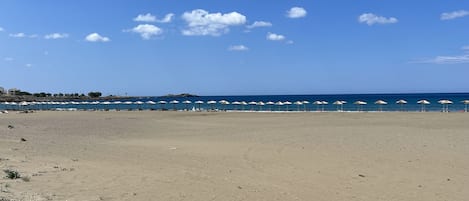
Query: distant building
[2,91]
[13,91]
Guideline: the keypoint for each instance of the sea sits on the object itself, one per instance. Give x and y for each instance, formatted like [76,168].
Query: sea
[145,103]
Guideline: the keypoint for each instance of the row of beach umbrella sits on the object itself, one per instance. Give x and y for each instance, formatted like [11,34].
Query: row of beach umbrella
[237,105]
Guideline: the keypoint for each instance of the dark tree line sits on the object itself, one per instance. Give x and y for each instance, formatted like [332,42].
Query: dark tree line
[93,94]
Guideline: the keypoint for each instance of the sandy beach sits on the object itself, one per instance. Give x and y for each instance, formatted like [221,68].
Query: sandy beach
[229,156]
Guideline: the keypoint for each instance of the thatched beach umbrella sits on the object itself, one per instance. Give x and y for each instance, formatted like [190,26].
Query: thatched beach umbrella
[324,103]
[106,105]
[23,105]
[253,104]
[139,104]
[445,105]
[260,104]
[298,104]
[199,103]
[162,104]
[304,104]
[236,105]
[270,104]
[423,103]
[187,103]
[94,104]
[39,105]
[318,104]
[279,104]
[224,103]
[465,102]
[401,103]
[380,104]
[36,105]
[14,105]
[174,103]
[212,104]
[73,103]
[151,104]
[340,105]
[287,103]
[116,104]
[360,105]
[243,104]
[46,104]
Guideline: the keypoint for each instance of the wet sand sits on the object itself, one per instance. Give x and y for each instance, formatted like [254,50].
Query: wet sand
[229,156]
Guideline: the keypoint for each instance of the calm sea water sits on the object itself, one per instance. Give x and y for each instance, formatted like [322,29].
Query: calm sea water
[370,99]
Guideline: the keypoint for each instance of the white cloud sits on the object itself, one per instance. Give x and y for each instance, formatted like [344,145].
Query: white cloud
[18,35]
[275,37]
[290,42]
[95,37]
[202,23]
[28,65]
[371,19]
[459,59]
[238,48]
[151,18]
[56,36]
[167,18]
[454,15]
[146,31]
[23,35]
[8,59]
[296,12]
[259,24]
[1,29]
[145,18]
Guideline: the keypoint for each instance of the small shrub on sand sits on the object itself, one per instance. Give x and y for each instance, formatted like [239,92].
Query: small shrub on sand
[12,174]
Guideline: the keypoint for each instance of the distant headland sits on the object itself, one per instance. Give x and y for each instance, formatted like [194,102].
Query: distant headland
[16,95]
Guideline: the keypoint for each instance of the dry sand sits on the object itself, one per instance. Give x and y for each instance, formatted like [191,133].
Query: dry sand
[235,156]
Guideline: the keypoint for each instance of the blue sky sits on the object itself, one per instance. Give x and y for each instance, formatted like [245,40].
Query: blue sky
[241,47]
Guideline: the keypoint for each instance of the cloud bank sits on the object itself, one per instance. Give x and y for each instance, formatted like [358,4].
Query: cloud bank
[202,23]
[56,36]
[238,48]
[257,24]
[95,37]
[146,31]
[275,37]
[296,12]
[454,15]
[149,18]
[371,19]
[145,18]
